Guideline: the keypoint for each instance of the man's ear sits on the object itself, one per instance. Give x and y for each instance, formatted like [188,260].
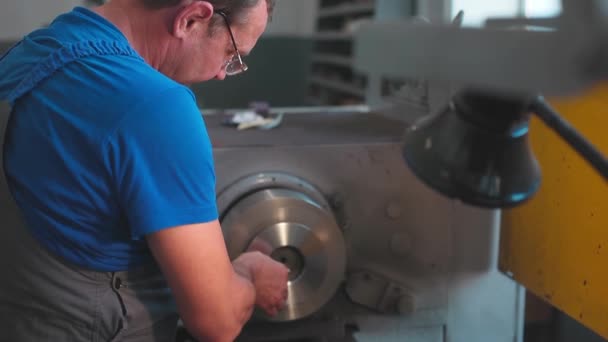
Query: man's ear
[191,15]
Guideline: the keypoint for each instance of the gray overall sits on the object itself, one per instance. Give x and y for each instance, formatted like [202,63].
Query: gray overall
[44,298]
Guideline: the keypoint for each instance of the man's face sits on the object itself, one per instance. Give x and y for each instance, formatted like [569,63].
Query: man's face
[209,54]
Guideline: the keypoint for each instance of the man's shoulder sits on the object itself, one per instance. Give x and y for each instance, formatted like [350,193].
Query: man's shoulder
[144,84]
[129,72]
[136,89]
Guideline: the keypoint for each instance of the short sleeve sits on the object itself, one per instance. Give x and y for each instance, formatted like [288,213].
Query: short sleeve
[161,163]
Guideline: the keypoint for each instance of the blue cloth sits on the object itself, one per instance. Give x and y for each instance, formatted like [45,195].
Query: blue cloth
[101,149]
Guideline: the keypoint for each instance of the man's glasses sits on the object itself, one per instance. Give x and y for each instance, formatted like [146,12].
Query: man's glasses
[235,64]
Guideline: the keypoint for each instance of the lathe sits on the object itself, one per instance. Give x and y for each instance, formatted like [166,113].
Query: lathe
[374,254]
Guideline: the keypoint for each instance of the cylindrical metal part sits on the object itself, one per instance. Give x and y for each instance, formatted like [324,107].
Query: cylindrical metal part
[295,229]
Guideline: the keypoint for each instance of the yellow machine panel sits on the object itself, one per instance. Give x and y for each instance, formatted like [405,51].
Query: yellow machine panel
[556,245]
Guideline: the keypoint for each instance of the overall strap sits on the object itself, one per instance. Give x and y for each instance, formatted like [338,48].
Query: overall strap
[67,54]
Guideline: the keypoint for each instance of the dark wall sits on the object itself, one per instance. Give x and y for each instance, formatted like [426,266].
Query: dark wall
[278,71]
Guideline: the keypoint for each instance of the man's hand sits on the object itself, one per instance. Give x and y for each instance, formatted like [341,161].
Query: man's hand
[269,278]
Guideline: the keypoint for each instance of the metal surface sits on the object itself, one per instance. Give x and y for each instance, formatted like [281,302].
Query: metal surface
[297,231]
[312,129]
[380,293]
[267,180]
[554,62]
[440,253]
[473,56]
[557,244]
[297,110]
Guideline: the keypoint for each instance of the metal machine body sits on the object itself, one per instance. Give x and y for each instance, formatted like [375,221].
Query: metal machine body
[555,56]
[379,256]
[554,245]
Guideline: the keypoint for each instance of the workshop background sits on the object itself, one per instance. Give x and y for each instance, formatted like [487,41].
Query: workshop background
[306,59]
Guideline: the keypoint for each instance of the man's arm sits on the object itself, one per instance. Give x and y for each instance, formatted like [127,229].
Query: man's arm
[213,300]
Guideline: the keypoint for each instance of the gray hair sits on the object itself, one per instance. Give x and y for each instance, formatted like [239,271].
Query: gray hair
[235,10]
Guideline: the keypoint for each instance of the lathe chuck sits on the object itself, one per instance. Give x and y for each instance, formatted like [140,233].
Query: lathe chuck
[287,219]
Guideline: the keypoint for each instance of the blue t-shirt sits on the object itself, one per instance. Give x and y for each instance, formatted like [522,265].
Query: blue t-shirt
[101,149]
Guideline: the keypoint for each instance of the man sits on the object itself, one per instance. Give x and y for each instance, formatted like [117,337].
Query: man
[110,164]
